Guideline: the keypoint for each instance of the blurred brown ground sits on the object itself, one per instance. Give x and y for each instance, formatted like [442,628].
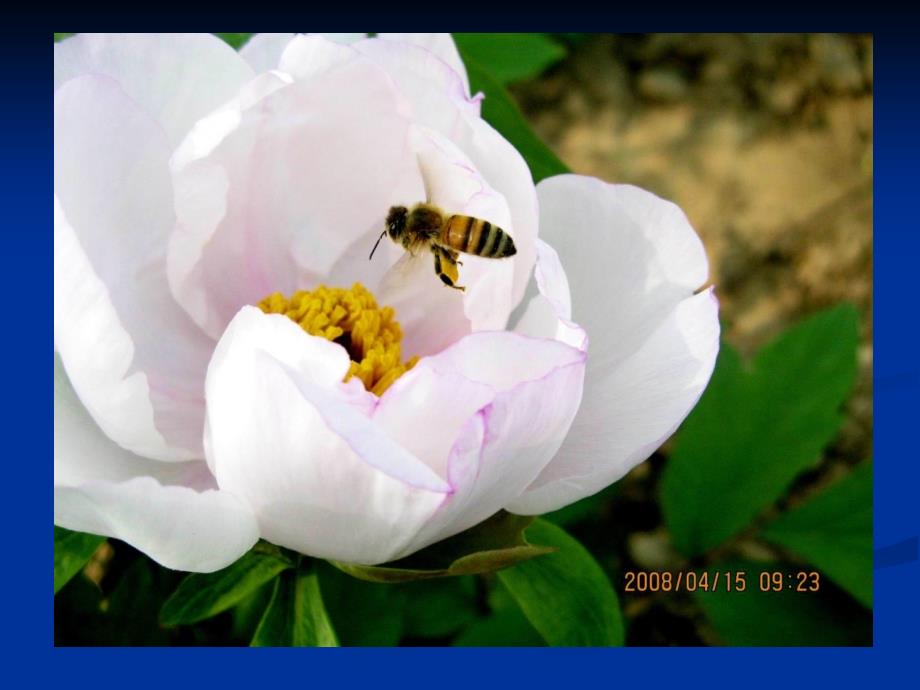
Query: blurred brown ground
[765,141]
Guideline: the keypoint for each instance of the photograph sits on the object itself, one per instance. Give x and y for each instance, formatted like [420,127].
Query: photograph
[463,340]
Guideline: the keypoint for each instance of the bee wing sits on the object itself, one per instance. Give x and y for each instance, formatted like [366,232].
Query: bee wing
[406,268]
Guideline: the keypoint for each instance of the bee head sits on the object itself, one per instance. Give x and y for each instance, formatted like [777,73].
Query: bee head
[396,221]
[395,226]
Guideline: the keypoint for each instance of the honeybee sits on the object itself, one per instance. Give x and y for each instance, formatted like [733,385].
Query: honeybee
[446,236]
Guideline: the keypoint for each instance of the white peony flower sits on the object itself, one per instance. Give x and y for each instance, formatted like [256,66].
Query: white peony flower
[200,195]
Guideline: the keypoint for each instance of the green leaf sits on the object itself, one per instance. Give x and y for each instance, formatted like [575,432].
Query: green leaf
[566,596]
[491,545]
[787,618]
[202,596]
[754,431]
[508,628]
[236,41]
[364,614]
[438,608]
[131,613]
[247,614]
[499,110]
[510,57]
[833,531]
[296,616]
[72,550]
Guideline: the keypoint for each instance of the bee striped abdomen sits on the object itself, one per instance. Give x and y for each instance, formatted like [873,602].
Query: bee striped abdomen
[476,236]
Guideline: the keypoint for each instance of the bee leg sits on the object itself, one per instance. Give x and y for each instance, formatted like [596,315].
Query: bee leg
[446,268]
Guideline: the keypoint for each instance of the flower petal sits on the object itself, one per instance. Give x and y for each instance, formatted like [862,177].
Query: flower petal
[263,51]
[427,310]
[425,409]
[653,346]
[211,130]
[306,57]
[282,432]
[175,78]
[622,241]
[503,447]
[135,358]
[310,169]
[548,314]
[170,511]
[440,101]
[442,45]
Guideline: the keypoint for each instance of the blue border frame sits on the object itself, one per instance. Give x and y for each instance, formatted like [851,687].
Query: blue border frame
[27,632]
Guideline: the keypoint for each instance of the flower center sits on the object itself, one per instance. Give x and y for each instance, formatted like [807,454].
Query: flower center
[350,317]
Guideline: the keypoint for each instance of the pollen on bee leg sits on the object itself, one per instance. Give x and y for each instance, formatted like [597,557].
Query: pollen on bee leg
[351,317]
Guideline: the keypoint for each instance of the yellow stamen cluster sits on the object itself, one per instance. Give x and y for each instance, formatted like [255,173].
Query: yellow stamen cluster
[350,317]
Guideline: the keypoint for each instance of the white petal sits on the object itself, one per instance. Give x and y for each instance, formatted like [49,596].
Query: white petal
[170,511]
[501,164]
[306,57]
[310,170]
[653,342]
[625,243]
[422,303]
[211,130]
[439,94]
[430,313]
[442,45]
[503,359]
[425,410]
[345,38]
[175,78]
[263,51]
[440,101]
[321,477]
[504,447]
[548,314]
[136,360]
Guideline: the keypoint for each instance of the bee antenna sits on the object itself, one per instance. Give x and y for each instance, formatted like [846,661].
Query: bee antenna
[376,243]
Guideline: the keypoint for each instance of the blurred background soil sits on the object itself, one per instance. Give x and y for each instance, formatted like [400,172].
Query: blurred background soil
[765,141]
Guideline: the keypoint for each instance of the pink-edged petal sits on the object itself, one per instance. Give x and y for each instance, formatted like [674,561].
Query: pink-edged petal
[653,341]
[440,101]
[630,412]
[504,447]
[305,57]
[504,168]
[439,94]
[211,130]
[629,255]
[549,314]
[175,78]
[170,511]
[503,359]
[135,358]
[322,478]
[263,51]
[309,170]
[447,178]
[442,45]
[425,410]
[430,314]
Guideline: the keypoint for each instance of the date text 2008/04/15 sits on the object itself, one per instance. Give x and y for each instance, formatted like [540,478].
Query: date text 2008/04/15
[642,581]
